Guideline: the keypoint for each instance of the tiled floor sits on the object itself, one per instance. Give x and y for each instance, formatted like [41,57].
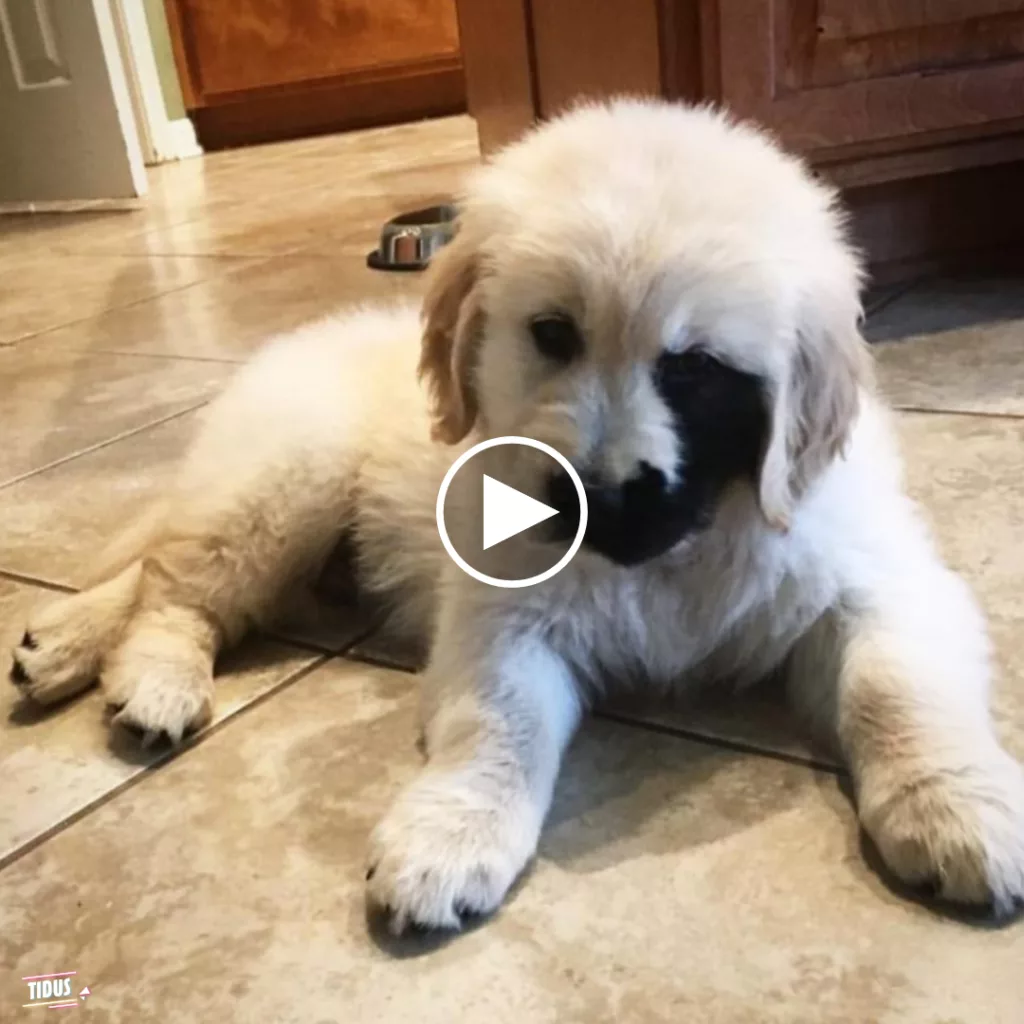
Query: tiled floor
[699,865]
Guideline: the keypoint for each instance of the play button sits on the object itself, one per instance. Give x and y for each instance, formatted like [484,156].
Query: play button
[508,512]
[493,518]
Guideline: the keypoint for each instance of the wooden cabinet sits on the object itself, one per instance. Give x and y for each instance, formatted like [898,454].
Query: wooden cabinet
[837,73]
[262,69]
[916,107]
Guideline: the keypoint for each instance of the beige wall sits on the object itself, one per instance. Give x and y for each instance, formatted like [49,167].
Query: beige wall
[157,21]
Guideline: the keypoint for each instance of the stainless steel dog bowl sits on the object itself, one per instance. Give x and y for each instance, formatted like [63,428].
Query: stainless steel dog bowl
[408,242]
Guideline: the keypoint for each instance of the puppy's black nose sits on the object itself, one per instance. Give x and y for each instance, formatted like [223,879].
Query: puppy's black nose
[650,482]
[639,496]
[610,505]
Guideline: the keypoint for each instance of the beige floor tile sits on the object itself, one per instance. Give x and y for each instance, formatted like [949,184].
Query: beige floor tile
[265,200]
[47,291]
[52,523]
[327,196]
[956,345]
[230,316]
[356,163]
[196,225]
[57,401]
[967,473]
[263,225]
[310,220]
[674,882]
[758,719]
[56,763]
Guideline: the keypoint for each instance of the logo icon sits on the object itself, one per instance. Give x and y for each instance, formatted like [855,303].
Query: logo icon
[54,991]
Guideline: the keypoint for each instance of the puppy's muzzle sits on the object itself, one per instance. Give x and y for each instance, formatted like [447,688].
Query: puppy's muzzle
[628,523]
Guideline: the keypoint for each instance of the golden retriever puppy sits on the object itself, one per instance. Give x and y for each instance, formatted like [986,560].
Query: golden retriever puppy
[670,302]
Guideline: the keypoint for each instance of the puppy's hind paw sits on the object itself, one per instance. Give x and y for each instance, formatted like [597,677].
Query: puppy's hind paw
[162,705]
[59,653]
[62,649]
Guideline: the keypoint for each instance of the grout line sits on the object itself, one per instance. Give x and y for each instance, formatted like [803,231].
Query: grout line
[118,255]
[920,410]
[255,261]
[167,356]
[103,444]
[302,645]
[256,257]
[314,648]
[166,757]
[739,746]
[89,352]
[897,292]
[380,661]
[35,581]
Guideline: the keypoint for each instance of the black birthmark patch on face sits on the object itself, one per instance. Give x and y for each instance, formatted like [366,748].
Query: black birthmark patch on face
[721,419]
[720,415]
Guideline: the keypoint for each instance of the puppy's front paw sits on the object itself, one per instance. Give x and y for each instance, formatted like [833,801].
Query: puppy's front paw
[445,852]
[958,829]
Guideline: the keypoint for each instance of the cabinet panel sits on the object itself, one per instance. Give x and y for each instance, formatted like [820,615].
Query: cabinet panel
[497,56]
[873,17]
[831,73]
[260,69]
[573,40]
[246,44]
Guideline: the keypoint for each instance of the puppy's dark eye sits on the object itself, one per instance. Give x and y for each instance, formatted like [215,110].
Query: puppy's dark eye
[557,337]
[693,363]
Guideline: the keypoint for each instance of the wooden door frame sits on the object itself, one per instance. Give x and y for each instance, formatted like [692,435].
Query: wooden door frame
[163,139]
[512,55]
[500,67]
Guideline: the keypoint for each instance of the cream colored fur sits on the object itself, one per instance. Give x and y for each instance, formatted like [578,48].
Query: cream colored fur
[655,227]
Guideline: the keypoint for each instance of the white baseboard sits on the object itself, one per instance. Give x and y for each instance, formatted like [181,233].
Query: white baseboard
[71,206]
[179,141]
[162,139]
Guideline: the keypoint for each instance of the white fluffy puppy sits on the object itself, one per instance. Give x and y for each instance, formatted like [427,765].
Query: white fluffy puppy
[671,302]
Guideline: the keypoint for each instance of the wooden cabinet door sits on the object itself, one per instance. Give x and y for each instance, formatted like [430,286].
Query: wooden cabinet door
[826,74]
[257,69]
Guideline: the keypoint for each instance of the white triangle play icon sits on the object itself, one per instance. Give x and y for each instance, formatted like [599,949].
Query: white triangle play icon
[508,512]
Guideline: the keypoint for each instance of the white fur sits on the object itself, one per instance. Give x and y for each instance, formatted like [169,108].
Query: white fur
[656,227]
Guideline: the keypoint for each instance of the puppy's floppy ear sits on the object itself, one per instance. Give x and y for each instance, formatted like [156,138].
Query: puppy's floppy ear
[814,409]
[453,325]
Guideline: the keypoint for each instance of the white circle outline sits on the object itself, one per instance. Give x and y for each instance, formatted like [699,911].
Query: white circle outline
[496,581]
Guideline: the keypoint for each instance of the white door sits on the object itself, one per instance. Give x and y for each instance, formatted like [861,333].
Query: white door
[66,125]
